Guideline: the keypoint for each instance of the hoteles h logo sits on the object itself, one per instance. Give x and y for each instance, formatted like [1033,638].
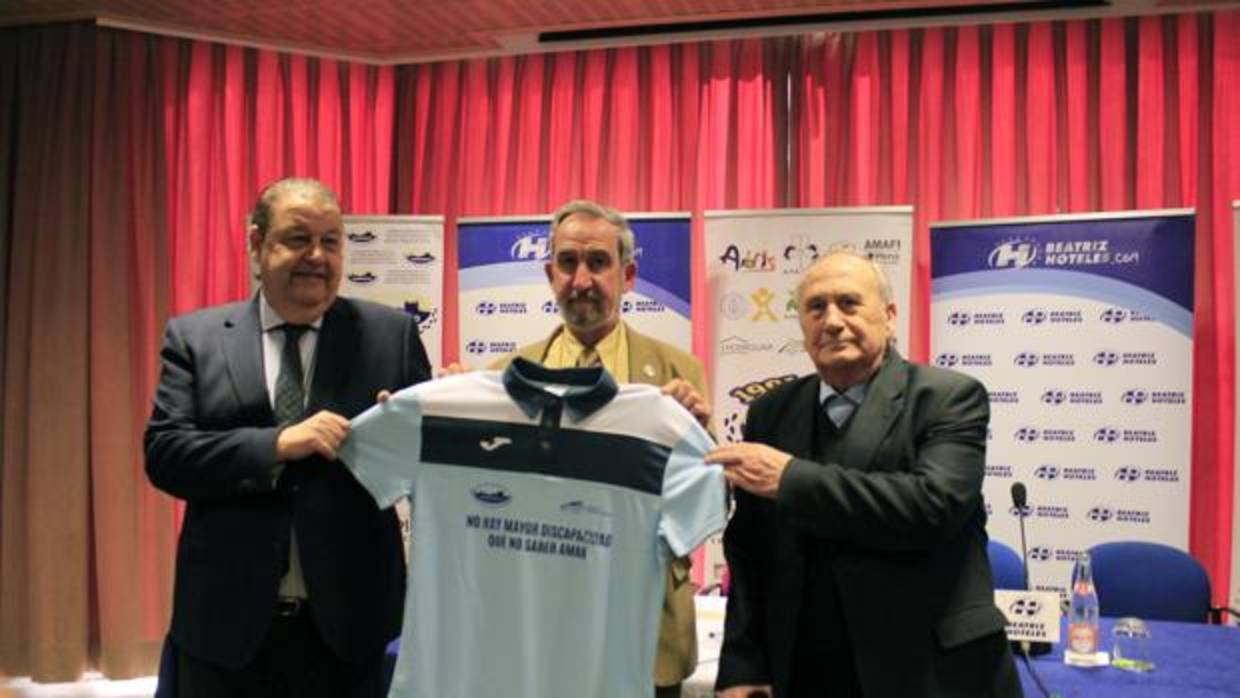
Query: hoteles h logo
[1040,553]
[1025,606]
[1026,359]
[1106,358]
[1034,316]
[532,246]
[958,318]
[1013,253]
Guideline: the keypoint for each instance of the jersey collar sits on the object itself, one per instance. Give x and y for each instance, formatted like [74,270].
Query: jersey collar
[582,390]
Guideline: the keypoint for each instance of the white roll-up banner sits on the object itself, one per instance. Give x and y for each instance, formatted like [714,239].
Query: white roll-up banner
[1081,329]
[754,261]
[398,261]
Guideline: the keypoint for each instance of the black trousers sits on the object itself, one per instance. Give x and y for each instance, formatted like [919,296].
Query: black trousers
[293,662]
[824,674]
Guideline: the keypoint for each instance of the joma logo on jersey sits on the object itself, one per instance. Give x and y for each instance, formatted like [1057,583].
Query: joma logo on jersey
[494,442]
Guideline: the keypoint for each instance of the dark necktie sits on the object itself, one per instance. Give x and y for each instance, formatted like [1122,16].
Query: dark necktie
[290,401]
[290,405]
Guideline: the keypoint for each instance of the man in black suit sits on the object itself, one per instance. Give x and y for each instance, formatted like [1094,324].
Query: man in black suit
[289,581]
[857,550]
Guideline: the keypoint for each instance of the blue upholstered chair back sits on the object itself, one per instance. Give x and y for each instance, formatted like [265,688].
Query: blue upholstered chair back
[1005,564]
[1150,581]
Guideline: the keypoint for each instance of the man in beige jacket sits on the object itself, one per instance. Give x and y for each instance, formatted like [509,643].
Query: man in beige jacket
[591,268]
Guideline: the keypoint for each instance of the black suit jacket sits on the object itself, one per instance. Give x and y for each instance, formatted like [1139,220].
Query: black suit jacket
[901,514]
[211,441]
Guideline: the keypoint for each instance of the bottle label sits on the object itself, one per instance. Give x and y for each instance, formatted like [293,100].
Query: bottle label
[1083,638]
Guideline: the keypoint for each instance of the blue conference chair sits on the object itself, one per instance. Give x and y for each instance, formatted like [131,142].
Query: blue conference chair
[1005,566]
[1151,581]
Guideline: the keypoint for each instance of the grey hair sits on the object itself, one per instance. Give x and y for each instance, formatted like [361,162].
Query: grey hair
[628,244]
[261,216]
[885,293]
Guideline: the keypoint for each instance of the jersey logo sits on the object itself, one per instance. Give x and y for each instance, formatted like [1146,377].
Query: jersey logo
[491,494]
[494,442]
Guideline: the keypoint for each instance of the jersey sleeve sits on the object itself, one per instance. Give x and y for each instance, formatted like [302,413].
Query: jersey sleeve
[695,495]
[385,446]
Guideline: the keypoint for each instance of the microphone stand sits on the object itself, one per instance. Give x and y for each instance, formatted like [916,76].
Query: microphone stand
[1025,648]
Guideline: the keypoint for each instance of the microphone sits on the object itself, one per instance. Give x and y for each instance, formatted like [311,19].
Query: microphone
[1020,497]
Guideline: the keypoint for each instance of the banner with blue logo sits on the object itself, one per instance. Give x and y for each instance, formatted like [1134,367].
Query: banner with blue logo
[398,261]
[506,301]
[1081,328]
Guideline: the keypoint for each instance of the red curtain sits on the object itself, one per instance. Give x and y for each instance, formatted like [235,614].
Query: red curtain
[236,119]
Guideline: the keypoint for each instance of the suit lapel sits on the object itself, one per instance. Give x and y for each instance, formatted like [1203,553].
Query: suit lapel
[339,338]
[873,419]
[644,363]
[242,341]
[795,429]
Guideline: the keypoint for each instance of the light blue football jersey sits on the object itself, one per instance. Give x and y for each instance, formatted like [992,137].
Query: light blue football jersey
[546,504]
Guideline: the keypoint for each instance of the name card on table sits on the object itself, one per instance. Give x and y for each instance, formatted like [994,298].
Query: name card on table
[1031,615]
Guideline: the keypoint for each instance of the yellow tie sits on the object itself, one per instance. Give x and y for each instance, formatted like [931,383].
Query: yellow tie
[587,358]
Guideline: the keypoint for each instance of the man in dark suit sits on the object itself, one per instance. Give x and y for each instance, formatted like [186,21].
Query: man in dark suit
[289,581]
[857,550]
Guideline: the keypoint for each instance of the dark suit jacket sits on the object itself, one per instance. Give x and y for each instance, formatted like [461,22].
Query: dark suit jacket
[211,441]
[901,513]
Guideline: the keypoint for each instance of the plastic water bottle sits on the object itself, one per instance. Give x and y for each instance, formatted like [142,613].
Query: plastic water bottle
[1083,616]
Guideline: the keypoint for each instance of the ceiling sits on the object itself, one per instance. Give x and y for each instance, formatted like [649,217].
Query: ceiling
[410,31]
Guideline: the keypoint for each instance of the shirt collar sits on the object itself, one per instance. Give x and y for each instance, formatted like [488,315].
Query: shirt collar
[588,389]
[269,319]
[605,346]
[855,394]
